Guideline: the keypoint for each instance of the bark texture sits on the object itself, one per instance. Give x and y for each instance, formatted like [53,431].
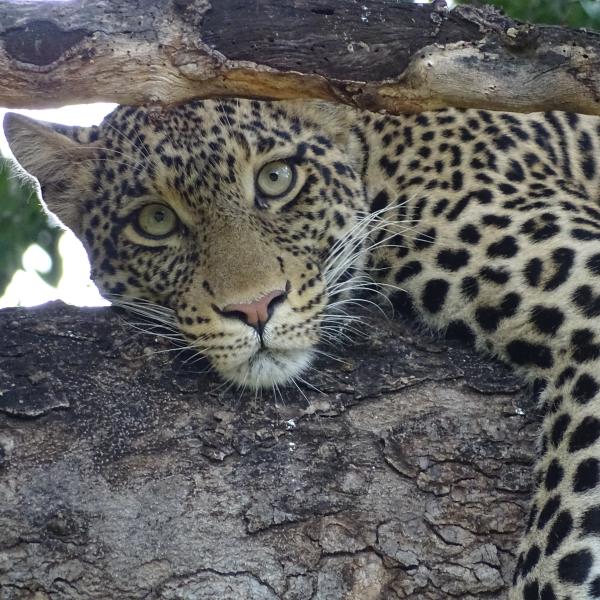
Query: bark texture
[380,54]
[125,474]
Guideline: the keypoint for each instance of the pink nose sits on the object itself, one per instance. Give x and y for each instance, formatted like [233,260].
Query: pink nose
[257,313]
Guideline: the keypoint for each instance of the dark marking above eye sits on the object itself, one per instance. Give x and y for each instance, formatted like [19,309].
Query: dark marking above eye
[281,263]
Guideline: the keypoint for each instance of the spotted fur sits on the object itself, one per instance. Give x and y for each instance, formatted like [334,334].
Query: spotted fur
[484,224]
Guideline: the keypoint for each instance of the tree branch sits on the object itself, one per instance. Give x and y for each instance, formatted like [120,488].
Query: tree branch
[381,55]
[125,474]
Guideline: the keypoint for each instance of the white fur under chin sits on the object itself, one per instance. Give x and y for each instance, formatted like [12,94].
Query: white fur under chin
[269,367]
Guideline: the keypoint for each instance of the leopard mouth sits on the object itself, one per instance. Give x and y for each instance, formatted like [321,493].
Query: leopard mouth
[268,367]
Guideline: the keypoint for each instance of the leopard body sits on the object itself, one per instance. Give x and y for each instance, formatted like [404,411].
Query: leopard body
[482,224]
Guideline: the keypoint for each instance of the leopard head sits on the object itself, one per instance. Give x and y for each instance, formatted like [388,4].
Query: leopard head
[236,216]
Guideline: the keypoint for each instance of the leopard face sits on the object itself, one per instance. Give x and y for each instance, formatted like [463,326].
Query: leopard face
[227,213]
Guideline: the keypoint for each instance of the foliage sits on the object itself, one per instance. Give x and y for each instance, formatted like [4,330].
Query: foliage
[570,13]
[22,223]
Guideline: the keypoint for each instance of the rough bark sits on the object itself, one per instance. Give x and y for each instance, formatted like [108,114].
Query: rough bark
[378,54]
[125,474]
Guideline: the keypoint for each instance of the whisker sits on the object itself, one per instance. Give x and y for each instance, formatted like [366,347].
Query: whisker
[293,380]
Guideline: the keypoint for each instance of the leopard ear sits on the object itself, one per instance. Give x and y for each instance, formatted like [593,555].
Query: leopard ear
[57,156]
[339,120]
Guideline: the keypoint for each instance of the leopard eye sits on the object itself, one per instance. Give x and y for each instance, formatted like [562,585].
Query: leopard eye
[275,179]
[156,221]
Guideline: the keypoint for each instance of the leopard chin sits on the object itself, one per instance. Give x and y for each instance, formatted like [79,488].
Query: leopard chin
[268,367]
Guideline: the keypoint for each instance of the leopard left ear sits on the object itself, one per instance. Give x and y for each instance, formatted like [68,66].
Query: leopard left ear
[57,157]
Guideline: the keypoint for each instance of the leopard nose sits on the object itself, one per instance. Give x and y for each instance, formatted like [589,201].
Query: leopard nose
[257,313]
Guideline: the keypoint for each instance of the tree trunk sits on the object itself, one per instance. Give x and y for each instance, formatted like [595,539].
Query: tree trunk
[125,474]
[380,54]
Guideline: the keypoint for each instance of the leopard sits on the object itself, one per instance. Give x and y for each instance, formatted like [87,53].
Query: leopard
[250,226]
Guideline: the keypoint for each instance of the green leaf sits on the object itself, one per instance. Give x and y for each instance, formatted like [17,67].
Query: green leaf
[23,222]
[569,13]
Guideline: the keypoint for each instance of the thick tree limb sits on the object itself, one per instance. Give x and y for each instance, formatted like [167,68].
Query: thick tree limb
[125,475]
[378,54]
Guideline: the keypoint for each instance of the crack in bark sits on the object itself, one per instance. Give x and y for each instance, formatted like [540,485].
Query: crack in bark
[219,573]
